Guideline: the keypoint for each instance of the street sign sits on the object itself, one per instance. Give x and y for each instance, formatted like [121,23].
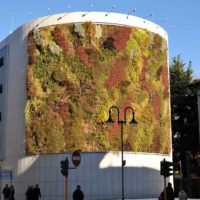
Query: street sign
[76,158]
[6,174]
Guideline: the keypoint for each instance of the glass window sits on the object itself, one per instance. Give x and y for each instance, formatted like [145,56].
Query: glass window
[1,88]
[1,61]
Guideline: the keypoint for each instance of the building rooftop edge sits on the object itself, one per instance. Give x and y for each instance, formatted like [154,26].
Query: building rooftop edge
[96,17]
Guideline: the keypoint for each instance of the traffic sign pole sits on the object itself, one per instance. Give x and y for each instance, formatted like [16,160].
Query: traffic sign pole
[76,159]
[65,189]
[165,192]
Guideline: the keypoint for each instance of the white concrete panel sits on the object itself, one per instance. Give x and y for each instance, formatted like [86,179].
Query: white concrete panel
[98,182]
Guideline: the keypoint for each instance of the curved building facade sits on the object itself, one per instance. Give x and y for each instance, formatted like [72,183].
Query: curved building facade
[59,76]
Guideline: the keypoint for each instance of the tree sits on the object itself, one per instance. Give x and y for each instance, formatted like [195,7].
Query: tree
[180,77]
[184,113]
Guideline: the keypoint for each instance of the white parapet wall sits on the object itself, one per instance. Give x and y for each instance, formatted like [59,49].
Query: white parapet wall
[99,174]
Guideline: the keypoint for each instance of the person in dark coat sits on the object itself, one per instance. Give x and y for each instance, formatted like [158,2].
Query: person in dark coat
[161,197]
[29,192]
[170,192]
[12,193]
[6,192]
[78,194]
[36,192]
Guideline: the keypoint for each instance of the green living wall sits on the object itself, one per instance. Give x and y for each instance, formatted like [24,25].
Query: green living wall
[76,72]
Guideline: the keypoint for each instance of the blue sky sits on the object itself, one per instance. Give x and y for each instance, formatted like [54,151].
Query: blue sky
[180,18]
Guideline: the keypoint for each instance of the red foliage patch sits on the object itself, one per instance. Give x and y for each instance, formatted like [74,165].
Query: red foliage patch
[157,105]
[61,109]
[59,38]
[117,72]
[121,37]
[81,51]
[144,69]
[126,103]
[143,73]
[155,147]
[28,141]
[165,77]
[112,130]
[147,85]
[31,49]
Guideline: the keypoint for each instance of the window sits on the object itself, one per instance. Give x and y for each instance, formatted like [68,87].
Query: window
[1,88]
[1,61]
[0,116]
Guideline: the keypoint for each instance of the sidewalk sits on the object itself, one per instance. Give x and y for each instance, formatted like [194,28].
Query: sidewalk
[155,199]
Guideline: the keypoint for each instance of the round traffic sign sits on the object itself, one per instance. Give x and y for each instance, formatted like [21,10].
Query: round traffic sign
[76,158]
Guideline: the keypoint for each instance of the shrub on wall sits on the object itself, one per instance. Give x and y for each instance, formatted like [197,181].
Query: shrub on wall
[60,37]
[121,37]
[76,72]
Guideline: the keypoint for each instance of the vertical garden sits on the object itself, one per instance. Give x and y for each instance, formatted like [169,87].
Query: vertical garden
[76,72]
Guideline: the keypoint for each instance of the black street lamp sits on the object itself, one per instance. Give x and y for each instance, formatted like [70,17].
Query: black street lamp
[122,122]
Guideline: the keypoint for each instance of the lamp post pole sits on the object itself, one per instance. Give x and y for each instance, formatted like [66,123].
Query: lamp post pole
[122,164]
[122,122]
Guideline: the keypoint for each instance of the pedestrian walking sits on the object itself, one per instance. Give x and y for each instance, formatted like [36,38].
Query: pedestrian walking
[36,192]
[78,194]
[29,192]
[6,192]
[161,197]
[170,192]
[12,193]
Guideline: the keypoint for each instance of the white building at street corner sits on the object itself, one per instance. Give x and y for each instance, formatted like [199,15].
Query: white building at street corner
[99,174]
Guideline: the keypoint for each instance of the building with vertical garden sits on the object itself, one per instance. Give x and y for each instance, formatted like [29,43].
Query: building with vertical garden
[59,77]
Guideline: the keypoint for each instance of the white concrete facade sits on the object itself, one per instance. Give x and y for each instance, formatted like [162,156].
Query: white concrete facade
[99,174]
[3,98]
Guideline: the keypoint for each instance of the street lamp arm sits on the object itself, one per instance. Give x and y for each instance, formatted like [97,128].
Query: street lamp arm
[110,120]
[133,121]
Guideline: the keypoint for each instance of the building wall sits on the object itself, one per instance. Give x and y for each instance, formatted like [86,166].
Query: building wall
[3,98]
[99,173]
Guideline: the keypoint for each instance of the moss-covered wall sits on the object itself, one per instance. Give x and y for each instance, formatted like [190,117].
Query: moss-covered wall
[76,72]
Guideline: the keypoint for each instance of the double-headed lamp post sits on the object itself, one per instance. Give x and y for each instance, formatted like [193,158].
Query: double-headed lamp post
[122,122]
